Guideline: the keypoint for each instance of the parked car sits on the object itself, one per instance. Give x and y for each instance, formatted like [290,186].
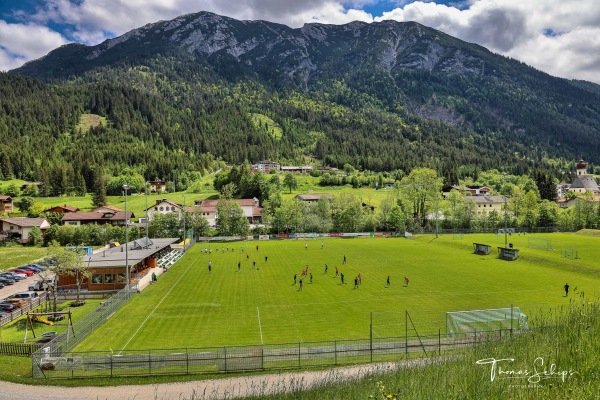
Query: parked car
[18,302]
[27,272]
[24,295]
[40,266]
[1,285]
[15,276]
[30,267]
[6,280]
[42,284]
[6,306]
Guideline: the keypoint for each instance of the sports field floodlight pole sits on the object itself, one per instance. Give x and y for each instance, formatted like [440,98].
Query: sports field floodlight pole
[146,193]
[126,188]
[505,223]
[437,199]
[183,209]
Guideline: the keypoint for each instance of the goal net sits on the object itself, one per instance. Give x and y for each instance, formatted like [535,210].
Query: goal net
[466,322]
[571,254]
[539,243]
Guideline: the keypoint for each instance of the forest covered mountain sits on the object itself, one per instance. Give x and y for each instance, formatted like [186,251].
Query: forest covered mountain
[179,94]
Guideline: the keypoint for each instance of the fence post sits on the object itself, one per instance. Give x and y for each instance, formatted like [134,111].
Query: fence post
[406,333]
[149,363]
[111,366]
[335,351]
[187,361]
[298,354]
[475,336]
[439,341]
[225,354]
[371,337]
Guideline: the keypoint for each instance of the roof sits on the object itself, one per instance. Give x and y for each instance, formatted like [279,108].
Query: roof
[313,197]
[257,211]
[65,208]
[97,216]
[215,203]
[2,198]
[159,202]
[26,222]
[585,182]
[192,209]
[115,257]
[581,164]
[106,208]
[485,199]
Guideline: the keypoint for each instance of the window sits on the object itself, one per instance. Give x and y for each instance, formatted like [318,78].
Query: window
[121,278]
[109,278]
[97,279]
[161,208]
[173,208]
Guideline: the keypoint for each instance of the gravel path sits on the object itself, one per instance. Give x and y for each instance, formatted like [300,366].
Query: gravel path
[214,389]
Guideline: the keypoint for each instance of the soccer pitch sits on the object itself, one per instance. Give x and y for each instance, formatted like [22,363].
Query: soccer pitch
[192,307]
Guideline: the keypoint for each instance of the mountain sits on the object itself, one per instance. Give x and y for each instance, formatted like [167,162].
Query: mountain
[379,96]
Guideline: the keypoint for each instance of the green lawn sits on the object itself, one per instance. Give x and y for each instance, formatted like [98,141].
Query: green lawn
[20,255]
[190,307]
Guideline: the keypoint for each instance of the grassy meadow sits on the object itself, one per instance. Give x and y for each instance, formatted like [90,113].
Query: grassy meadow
[190,307]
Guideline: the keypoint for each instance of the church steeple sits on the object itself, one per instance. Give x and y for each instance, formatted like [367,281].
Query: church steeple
[581,168]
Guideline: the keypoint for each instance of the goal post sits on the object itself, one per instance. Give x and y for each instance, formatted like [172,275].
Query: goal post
[571,254]
[539,243]
[466,322]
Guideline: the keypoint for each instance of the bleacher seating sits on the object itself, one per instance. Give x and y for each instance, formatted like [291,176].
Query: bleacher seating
[169,259]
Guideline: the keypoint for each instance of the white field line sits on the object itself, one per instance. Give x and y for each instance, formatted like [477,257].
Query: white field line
[158,305]
[259,326]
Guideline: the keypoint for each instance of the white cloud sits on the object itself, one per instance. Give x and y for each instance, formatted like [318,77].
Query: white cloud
[23,42]
[511,27]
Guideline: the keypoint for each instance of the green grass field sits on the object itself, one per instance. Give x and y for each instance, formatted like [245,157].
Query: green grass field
[190,307]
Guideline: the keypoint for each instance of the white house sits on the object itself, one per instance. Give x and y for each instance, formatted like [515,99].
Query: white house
[486,204]
[584,182]
[20,227]
[164,206]
[250,207]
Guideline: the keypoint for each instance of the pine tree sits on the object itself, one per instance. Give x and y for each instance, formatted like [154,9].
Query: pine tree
[99,197]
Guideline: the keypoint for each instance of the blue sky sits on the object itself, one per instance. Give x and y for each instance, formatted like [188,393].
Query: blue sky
[557,36]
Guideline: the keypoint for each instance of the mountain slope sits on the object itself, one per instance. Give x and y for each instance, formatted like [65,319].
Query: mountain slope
[380,96]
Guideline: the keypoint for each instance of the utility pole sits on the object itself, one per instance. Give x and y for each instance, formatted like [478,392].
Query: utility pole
[184,232]
[126,187]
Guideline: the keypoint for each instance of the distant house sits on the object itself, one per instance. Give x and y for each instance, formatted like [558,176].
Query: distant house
[209,212]
[100,217]
[306,169]
[6,204]
[62,209]
[250,207]
[20,227]
[266,166]
[157,186]
[313,197]
[478,190]
[583,182]
[164,206]
[486,204]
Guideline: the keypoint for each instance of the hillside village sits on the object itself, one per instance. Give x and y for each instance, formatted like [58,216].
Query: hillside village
[481,202]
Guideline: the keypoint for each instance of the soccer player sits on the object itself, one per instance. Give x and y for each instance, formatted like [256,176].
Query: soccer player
[388,282]
[326,268]
[300,285]
[566,289]
[209,266]
[295,276]
[239,266]
[344,262]
[311,277]
[406,280]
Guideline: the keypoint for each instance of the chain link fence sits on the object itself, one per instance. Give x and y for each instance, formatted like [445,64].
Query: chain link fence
[49,363]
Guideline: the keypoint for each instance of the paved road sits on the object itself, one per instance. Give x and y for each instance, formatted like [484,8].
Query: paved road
[214,389]
[20,286]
